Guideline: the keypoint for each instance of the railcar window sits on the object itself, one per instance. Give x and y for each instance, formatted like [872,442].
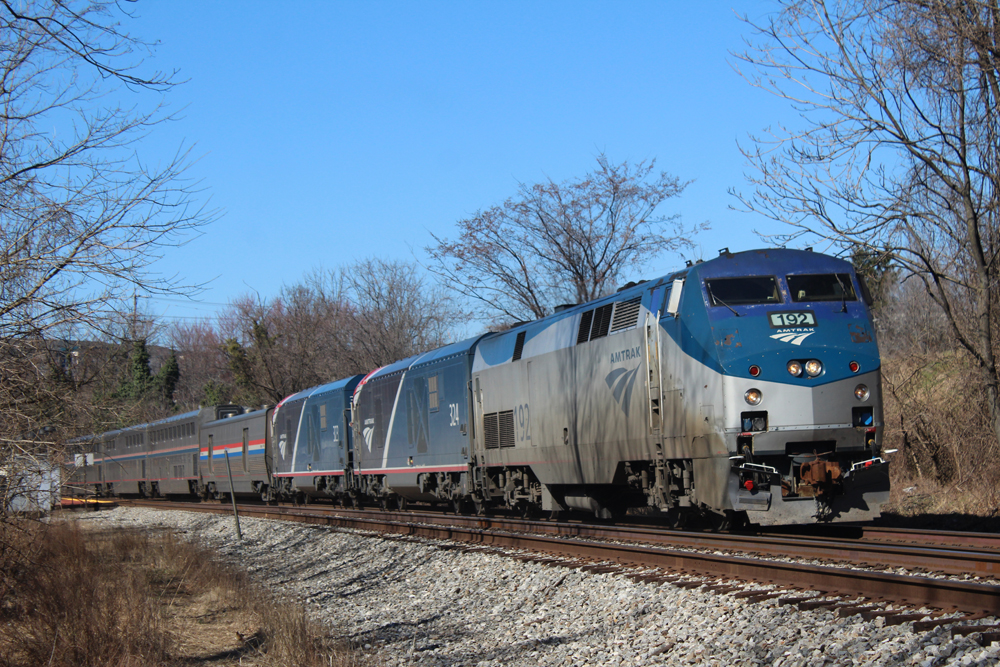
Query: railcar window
[432,391]
[743,291]
[822,287]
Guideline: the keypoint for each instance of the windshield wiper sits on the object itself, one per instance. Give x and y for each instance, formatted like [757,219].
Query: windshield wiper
[718,300]
[843,294]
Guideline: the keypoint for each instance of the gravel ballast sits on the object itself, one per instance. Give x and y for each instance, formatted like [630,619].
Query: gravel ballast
[410,602]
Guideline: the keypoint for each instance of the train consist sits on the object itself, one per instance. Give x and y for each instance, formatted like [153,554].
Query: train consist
[741,388]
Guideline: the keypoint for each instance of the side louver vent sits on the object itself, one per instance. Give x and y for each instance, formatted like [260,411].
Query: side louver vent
[585,321]
[491,430]
[518,346]
[602,321]
[507,428]
[626,314]
[498,427]
[597,323]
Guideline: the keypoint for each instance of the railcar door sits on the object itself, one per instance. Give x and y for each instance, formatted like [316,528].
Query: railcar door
[653,355]
[478,445]
[665,361]
[349,440]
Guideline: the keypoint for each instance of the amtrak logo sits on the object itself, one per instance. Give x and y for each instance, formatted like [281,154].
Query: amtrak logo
[621,382]
[793,336]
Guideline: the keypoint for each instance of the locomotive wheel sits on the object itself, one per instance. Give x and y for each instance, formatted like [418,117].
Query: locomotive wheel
[401,503]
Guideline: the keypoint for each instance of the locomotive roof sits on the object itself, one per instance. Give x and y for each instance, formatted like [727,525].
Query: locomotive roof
[766,261]
[461,347]
[346,383]
[397,367]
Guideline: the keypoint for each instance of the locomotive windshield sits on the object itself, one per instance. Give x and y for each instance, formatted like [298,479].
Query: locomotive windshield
[743,291]
[821,287]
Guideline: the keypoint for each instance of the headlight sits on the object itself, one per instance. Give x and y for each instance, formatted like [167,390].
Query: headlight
[861,393]
[795,368]
[753,396]
[813,368]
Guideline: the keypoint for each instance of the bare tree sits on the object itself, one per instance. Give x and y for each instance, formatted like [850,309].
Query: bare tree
[335,324]
[276,348]
[898,147]
[205,377]
[82,217]
[394,314]
[565,242]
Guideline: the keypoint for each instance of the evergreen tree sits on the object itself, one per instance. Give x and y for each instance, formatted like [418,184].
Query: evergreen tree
[167,378]
[138,380]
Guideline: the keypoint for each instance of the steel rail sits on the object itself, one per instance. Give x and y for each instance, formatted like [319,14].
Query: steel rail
[953,560]
[969,597]
[957,560]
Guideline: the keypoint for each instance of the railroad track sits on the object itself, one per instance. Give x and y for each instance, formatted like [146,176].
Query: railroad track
[754,567]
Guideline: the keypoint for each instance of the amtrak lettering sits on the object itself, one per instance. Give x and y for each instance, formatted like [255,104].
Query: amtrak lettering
[625,355]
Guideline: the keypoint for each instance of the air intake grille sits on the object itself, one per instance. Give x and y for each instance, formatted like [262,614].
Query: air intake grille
[519,346]
[498,428]
[626,314]
[491,430]
[585,321]
[507,428]
[602,321]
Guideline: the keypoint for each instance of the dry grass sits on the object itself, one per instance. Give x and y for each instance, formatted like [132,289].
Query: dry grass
[936,416]
[127,598]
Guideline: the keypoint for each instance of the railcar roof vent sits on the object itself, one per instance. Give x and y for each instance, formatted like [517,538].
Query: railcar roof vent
[562,306]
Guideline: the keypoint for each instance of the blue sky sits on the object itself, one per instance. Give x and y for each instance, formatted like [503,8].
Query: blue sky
[327,132]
